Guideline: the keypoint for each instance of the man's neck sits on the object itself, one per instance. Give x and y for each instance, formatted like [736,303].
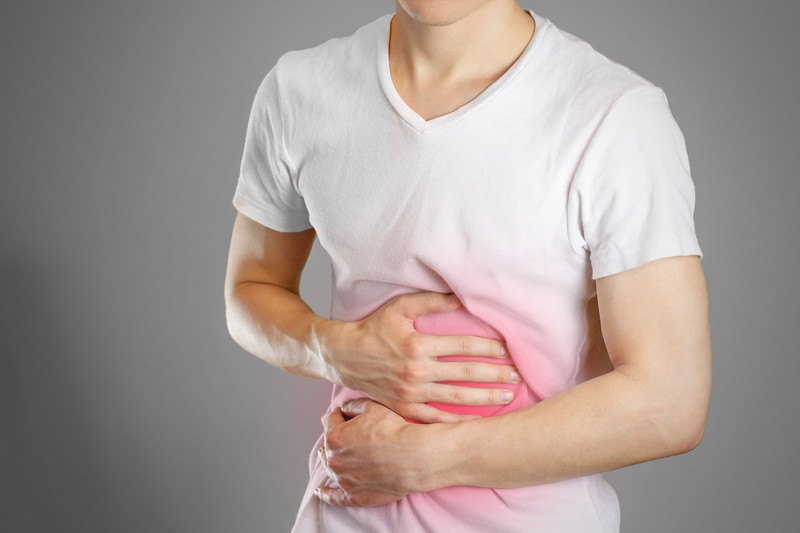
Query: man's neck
[442,48]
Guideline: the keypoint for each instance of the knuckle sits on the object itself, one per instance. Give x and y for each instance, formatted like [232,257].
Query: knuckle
[492,348]
[414,346]
[345,483]
[432,298]
[415,372]
[334,463]
[468,372]
[406,392]
[331,439]
[434,415]
[464,345]
[457,396]
[405,371]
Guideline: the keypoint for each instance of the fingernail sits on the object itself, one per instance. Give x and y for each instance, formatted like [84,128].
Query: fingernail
[507,396]
[515,377]
[503,350]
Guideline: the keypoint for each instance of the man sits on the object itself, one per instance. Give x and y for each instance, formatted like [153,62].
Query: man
[477,149]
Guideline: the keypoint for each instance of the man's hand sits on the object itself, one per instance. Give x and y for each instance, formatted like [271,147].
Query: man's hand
[372,454]
[383,356]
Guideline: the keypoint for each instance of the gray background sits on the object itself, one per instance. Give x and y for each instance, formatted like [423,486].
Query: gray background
[125,404]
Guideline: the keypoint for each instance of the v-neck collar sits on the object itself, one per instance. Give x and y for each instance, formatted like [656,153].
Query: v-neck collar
[419,124]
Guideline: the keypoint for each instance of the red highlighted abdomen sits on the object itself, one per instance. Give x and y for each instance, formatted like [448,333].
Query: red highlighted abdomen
[462,322]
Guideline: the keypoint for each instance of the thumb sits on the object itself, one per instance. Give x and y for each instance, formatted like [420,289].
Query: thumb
[421,303]
[355,407]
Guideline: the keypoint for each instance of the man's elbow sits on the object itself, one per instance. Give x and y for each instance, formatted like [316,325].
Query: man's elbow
[232,318]
[690,440]
[675,421]
[691,412]
[677,408]
[230,323]
[688,426]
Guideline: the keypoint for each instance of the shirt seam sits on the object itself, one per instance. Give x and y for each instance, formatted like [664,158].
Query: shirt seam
[623,260]
[271,219]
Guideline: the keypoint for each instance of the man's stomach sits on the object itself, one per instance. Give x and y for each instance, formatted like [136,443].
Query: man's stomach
[462,322]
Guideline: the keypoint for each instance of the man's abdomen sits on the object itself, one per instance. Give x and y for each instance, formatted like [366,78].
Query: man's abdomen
[462,322]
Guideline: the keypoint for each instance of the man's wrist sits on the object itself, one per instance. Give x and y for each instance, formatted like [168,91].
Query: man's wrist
[447,455]
[326,335]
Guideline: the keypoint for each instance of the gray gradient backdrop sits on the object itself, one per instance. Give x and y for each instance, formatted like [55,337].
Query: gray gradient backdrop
[126,407]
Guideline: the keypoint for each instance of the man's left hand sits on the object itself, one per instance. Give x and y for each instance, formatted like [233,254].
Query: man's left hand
[372,453]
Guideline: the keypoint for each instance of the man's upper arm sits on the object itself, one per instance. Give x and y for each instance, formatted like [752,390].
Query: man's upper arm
[654,320]
[259,254]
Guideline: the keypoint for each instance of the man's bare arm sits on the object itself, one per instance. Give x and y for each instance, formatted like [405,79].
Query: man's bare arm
[263,308]
[653,404]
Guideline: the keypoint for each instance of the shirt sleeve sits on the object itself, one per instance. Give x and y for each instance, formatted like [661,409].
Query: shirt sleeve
[632,198]
[266,191]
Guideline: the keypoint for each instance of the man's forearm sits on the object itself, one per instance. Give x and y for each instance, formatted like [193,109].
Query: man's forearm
[277,326]
[602,424]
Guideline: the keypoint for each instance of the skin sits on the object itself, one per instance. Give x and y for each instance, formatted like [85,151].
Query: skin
[648,391]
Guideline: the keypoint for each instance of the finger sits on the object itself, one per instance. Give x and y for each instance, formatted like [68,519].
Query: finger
[431,415]
[461,395]
[334,418]
[439,345]
[324,462]
[348,416]
[327,481]
[339,497]
[420,303]
[478,371]
[333,496]
[356,407]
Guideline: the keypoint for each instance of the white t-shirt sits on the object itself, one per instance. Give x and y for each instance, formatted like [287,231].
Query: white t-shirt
[568,168]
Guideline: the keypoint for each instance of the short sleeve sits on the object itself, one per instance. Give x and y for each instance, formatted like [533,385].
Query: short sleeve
[632,197]
[265,191]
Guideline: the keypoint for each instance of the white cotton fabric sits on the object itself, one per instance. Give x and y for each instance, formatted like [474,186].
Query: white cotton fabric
[568,168]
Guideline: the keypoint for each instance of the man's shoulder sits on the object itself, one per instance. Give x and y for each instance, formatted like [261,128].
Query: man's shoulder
[592,78]
[321,64]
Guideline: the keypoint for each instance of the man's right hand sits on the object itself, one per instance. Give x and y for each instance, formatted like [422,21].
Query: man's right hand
[383,356]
